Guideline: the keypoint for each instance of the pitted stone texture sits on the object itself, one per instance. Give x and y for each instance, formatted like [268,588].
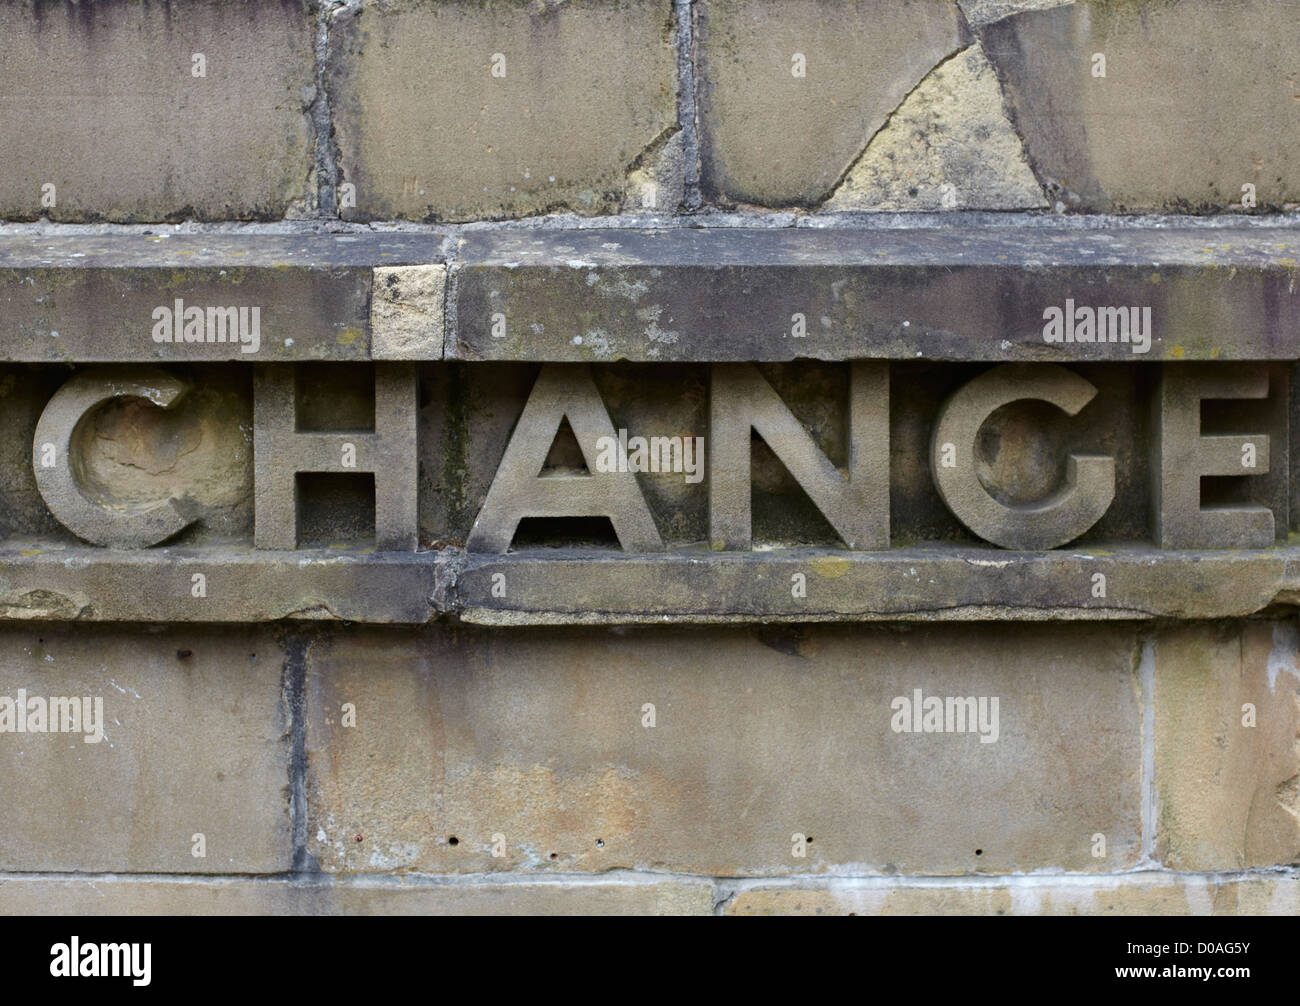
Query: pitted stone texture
[772,138]
[1228,794]
[427,132]
[1198,100]
[100,100]
[406,312]
[223,896]
[537,737]
[1136,894]
[952,131]
[196,741]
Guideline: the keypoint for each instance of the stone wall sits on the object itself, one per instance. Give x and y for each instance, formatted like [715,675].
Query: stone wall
[711,457]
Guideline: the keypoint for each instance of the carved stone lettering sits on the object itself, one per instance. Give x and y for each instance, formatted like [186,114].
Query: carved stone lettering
[519,490]
[118,524]
[282,451]
[1059,518]
[1186,455]
[1027,456]
[857,506]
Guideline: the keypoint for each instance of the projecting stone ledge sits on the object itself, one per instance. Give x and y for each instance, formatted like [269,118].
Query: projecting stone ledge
[79,583]
[965,292]
[959,584]
[256,298]
[569,586]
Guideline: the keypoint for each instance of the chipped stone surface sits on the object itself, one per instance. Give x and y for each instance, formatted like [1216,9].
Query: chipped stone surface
[772,137]
[449,111]
[102,101]
[1227,745]
[950,131]
[658,184]
[406,312]
[51,580]
[567,586]
[1176,124]
[956,584]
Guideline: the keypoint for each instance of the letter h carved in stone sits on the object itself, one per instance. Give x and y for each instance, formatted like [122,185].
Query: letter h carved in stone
[282,451]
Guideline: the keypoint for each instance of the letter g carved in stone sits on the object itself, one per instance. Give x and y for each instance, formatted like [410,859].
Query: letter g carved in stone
[1090,478]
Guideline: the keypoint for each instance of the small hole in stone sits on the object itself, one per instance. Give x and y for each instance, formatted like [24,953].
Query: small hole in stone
[453,840]
[979,852]
[600,843]
[810,840]
[184,654]
[555,855]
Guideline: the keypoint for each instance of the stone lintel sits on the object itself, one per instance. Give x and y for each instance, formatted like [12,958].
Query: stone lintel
[972,293]
[93,298]
[968,292]
[569,586]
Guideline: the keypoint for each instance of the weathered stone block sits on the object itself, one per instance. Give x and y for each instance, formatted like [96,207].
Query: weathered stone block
[791,91]
[427,896]
[447,111]
[1125,106]
[1136,894]
[406,312]
[133,298]
[971,292]
[54,581]
[948,146]
[536,745]
[138,111]
[1227,745]
[195,742]
[922,584]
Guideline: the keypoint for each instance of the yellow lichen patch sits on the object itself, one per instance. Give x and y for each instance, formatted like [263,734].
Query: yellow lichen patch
[831,567]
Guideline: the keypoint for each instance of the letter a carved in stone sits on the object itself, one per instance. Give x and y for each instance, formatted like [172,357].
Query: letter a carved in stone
[518,491]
